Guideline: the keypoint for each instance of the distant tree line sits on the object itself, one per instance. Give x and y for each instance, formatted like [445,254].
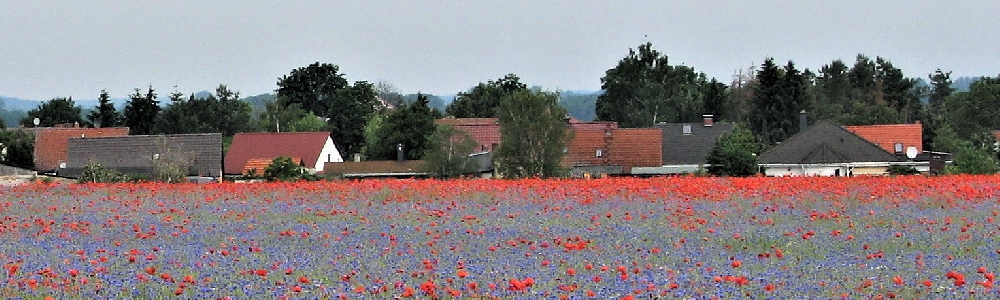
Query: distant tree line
[643,89]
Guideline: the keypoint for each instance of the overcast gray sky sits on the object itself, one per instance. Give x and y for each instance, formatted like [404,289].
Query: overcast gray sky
[76,48]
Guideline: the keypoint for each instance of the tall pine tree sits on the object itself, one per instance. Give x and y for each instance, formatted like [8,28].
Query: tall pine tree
[141,112]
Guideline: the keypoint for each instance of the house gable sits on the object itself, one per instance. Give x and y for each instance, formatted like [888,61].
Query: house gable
[825,142]
[315,149]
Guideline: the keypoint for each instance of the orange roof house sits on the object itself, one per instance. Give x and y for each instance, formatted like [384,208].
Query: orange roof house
[313,148]
[893,138]
[484,131]
[51,144]
[615,150]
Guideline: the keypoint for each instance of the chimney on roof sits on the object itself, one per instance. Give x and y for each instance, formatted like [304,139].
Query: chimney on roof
[707,120]
[399,153]
[803,120]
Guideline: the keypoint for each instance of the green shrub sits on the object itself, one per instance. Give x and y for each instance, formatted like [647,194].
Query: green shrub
[282,168]
[97,173]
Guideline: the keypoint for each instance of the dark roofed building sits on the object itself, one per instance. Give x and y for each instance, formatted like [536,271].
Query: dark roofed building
[686,146]
[135,154]
[826,149]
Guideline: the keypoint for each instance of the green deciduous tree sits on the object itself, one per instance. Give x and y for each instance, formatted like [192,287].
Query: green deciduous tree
[141,111]
[282,168]
[349,112]
[734,154]
[313,87]
[645,89]
[17,148]
[53,112]
[975,111]
[321,90]
[105,114]
[533,135]
[447,154]
[409,126]
[482,101]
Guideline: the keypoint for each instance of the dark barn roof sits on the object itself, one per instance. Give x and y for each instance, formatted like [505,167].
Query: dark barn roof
[134,154]
[825,142]
[680,148]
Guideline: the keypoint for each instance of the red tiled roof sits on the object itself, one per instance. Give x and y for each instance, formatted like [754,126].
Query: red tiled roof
[582,148]
[51,143]
[634,147]
[485,131]
[258,165]
[996,135]
[887,136]
[246,146]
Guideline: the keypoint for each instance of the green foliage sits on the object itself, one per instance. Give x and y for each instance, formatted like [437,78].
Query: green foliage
[282,168]
[105,113]
[902,170]
[973,112]
[308,123]
[17,148]
[447,155]
[533,134]
[313,87]
[349,112]
[734,154]
[95,173]
[645,89]
[277,118]
[716,99]
[222,112]
[141,111]
[408,126]
[53,112]
[974,160]
[779,97]
[482,101]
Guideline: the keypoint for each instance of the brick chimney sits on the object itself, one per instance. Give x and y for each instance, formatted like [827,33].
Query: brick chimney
[707,120]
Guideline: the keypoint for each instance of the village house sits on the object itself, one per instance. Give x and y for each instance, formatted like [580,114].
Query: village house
[52,143]
[827,149]
[685,146]
[137,154]
[312,149]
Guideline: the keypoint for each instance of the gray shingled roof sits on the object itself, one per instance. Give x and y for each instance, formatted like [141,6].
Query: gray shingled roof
[134,154]
[825,142]
[681,148]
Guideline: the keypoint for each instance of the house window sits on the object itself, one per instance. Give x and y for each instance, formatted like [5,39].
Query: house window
[156,156]
[686,129]
[329,158]
[899,148]
[599,153]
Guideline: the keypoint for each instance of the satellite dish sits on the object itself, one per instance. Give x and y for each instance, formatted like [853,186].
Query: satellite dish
[37,121]
[911,152]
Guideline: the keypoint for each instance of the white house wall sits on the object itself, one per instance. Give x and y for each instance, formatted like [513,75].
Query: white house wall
[328,154]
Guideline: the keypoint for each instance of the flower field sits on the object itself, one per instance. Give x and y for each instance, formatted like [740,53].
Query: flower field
[619,238]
